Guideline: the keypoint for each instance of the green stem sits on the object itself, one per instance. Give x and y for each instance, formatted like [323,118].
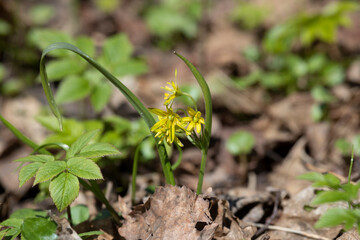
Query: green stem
[94,187]
[21,136]
[178,161]
[68,211]
[202,171]
[351,164]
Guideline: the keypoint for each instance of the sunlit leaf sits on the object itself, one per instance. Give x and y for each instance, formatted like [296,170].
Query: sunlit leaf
[49,170]
[84,168]
[64,189]
[39,229]
[73,88]
[81,142]
[98,150]
[240,143]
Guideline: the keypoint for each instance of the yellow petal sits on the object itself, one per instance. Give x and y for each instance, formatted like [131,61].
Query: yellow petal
[191,111]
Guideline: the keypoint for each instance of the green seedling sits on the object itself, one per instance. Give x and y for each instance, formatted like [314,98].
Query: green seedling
[335,191]
[240,144]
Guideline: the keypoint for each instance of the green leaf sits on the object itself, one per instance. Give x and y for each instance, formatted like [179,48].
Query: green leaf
[36,158]
[39,229]
[86,44]
[100,96]
[12,222]
[130,67]
[81,142]
[84,168]
[343,146]
[332,180]
[79,214]
[5,28]
[334,217]
[24,213]
[312,177]
[329,197]
[73,88]
[98,150]
[240,143]
[64,189]
[58,69]
[117,49]
[42,37]
[28,172]
[49,170]
[322,95]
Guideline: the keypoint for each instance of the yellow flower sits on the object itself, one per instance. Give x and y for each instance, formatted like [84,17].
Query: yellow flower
[194,119]
[169,123]
[173,92]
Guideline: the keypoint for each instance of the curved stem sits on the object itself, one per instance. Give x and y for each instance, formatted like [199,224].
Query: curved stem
[191,98]
[178,161]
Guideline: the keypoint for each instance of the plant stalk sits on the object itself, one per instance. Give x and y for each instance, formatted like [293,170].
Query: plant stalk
[202,170]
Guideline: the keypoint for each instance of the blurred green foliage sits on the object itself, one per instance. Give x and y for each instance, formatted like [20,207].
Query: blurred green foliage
[240,143]
[170,19]
[307,28]
[79,79]
[248,15]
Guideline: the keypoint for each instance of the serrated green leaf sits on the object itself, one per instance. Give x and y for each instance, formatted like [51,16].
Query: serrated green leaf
[332,180]
[330,196]
[28,172]
[334,217]
[73,88]
[84,168]
[49,170]
[98,150]
[80,143]
[64,189]
[351,190]
[36,158]
[86,44]
[39,229]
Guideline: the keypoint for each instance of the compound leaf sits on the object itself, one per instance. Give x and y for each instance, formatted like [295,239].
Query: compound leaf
[80,143]
[64,189]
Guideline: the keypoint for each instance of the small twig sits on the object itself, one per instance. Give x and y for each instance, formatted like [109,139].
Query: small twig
[273,215]
[68,211]
[289,230]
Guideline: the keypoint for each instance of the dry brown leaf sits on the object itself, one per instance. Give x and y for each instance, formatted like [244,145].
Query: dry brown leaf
[178,213]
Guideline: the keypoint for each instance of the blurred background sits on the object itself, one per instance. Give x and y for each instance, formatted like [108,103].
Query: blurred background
[284,76]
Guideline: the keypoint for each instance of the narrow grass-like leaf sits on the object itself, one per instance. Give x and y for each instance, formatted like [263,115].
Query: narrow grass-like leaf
[12,233]
[98,150]
[39,229]
[205,140]
[91,233]
[64,189]
[80,143]
[84,168]
[49,170]
[21,136]
[133,100]
[334,217]
[330,196]
[36,158]
[207,97]
[28,172]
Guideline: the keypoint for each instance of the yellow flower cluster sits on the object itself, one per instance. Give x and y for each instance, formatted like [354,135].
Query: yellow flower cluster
[171,123]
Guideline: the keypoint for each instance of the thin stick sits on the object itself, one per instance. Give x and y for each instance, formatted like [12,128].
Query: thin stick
[284,229]
[68,211]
